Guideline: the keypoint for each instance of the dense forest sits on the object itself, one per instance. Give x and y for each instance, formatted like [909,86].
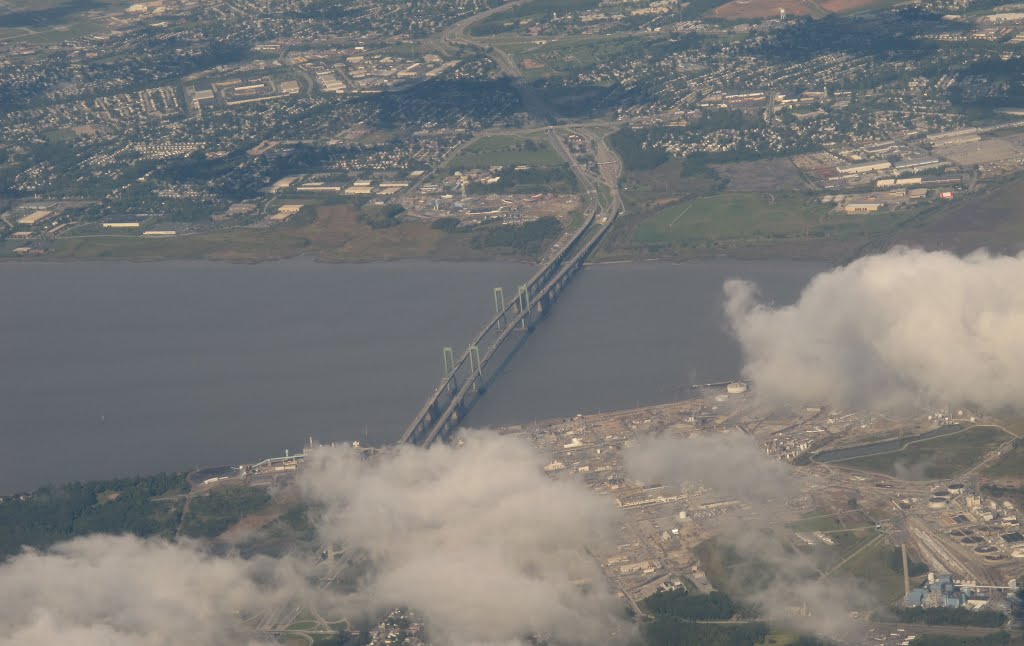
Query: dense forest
[680,604]
[53,514]
[635,152]
[542,179]
[951,617]
[144,506]
[995,639]
[894,559]
[669,631]
[527,239]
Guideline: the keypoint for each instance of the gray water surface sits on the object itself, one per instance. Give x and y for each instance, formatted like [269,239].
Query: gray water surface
[632,334]
[113,369]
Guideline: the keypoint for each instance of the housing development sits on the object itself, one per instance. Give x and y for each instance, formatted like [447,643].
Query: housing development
[126,123]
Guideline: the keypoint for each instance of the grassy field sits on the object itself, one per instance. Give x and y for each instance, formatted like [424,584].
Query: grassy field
[49,35]
[504,150]
[849,530]
[747,225]
[818,521]
[1010,465]
[674,211]
[941,457]
[573,54]
[992,219]
[334,234]
[870,566]
[732,216]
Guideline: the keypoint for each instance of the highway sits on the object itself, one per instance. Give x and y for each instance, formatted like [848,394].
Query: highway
[435,418]
[454,394]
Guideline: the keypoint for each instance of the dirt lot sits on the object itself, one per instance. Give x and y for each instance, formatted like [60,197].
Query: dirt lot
[845,6]
[765,175]
[748,9]
[981,152]
[990,220]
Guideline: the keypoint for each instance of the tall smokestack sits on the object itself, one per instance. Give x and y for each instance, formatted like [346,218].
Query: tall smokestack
[906,570]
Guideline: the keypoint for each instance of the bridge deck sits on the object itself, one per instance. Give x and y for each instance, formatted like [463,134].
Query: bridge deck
[449,399]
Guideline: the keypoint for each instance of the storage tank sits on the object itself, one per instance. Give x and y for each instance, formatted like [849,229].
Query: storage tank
[1018,553]
[736,388]
[955,488]
[937,503]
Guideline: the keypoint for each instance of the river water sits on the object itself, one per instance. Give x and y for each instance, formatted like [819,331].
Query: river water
[113,369]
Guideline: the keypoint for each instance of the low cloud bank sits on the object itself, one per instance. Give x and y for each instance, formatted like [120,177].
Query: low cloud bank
[730,463]
[106,590]
[790,589]
[900,330]
[476,538]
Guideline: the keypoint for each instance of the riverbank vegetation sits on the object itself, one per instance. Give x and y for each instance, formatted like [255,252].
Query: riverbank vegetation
[144,506]
[337,233]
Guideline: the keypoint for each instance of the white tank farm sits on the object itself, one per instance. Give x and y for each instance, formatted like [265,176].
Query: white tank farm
[736,388]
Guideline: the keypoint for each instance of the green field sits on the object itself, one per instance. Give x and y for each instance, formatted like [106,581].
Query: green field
[870,566]
[849,530]
[505,150]
[1010,465]
[50,21]
[528,12]
[48,35]
[817,522]
[941,457]
[573,54]
[732,216]
[742,219]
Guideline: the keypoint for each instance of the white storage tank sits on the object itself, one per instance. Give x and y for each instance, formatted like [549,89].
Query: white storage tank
[736,388]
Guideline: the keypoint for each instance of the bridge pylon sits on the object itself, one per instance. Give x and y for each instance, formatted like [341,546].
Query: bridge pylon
[523,299]
[476,371]
[448,367]
[499,305]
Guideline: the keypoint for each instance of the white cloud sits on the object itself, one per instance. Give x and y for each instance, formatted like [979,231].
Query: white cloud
[730,463]
[476,538]
[904,329]
[733,464]
[106,590]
